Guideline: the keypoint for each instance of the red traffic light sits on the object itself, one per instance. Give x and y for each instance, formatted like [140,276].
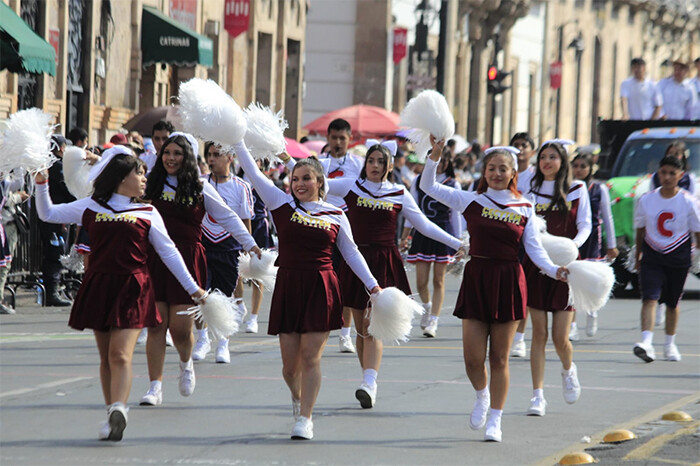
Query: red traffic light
[492,73]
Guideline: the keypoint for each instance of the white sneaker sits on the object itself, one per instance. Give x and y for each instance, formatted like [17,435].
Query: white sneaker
[153,397]
[644,351]
[143,336]
[538,407]
[573,334]
[187,380]
[591,324]
[104,430]
[303,429]
[493,430]
[481,408]
[241,311]
[660,315]
[296,409]
[345,344]
[570,384]
[671,352]
[431,330]
[425,320]
[222,353]
[116,418]
[201,348]
[168,338]
[518,350]
[252,326]
[366,395]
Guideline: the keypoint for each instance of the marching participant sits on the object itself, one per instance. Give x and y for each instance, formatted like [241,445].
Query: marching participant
[116,297]
[493,295]
[306,302]
[183,200]
[565,206]
[373,205]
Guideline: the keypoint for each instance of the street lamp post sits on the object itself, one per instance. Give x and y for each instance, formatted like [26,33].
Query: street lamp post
[560,59]
[578,46]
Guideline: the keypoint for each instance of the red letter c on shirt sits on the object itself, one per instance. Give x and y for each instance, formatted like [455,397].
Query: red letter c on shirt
[663,217]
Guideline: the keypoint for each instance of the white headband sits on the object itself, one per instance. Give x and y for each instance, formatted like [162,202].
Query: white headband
[512,150]
[562,142]
[391,145]
[107,156]
[191,139]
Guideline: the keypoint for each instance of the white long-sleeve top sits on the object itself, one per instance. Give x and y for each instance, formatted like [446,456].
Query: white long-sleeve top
[72,212]
[459,200]
[340,187]
[219,211]
[275,198]
[577,192]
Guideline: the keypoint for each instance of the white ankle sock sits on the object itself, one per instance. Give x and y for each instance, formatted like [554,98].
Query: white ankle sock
[647,337]
[156,385]
[573,326]
[495,415]
[345,331]
[483,393]
[253,318]
[538,393]
[434,318]
[186,365]
[202,333]
[518,337]
[670,339]
[369,376]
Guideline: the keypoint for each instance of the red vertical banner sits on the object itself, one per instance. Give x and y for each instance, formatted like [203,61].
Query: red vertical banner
[236,16]
[555,75]
[400,43]
[54,35]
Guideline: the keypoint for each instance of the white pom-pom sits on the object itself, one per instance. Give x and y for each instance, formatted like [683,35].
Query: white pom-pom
[265,135]
[391,315]
[26,142]
[561,250]
[540,223]
[427,113]
[456,267]
[73,261]
[631,259]
[590,284]
[260,270]
[219,313]
[76,170]
[210,113]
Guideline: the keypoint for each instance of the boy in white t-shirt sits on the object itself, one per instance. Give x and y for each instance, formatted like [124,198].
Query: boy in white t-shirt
[664,218]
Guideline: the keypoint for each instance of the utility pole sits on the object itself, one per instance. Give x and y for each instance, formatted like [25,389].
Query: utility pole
[442,46]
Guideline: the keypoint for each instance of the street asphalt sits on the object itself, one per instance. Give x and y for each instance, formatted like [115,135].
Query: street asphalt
[240,413]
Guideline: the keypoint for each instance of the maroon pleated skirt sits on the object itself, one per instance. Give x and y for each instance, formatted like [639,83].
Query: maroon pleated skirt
[305,301]
[387,267]
[167,288]
[106,301]
[545,293]
[492,291]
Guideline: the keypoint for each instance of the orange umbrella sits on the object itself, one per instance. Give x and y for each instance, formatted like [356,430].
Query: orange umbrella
[296,149]
[365,121]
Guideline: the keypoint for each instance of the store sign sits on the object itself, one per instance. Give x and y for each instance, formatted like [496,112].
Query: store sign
[555,75]
[400,43]
[236,16]
[54,35]
[185,12]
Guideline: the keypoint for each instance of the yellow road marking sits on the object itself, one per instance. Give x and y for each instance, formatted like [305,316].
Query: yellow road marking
[648,449]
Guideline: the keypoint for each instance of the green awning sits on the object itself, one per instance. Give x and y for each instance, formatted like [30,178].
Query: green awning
[164,40]
[21,49]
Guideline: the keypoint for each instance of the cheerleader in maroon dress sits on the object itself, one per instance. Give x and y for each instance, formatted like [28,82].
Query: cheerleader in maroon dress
[116,297]
[493,295]
[306,303]
[177,192]
[564,205]
[373,206]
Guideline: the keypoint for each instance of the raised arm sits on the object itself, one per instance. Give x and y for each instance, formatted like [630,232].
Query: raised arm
[227,218]
[164,246]
[421,223]
[339,186]
[352,255]
[71,212]
[272,196]
[453,198]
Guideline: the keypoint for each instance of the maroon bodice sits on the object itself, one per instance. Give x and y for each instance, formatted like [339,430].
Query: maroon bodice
[305,240]
[118,241]
[183,222]
[494,233]
[373,219]
[560,223]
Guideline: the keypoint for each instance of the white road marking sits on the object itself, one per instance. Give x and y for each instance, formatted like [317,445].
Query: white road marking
[55,383]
